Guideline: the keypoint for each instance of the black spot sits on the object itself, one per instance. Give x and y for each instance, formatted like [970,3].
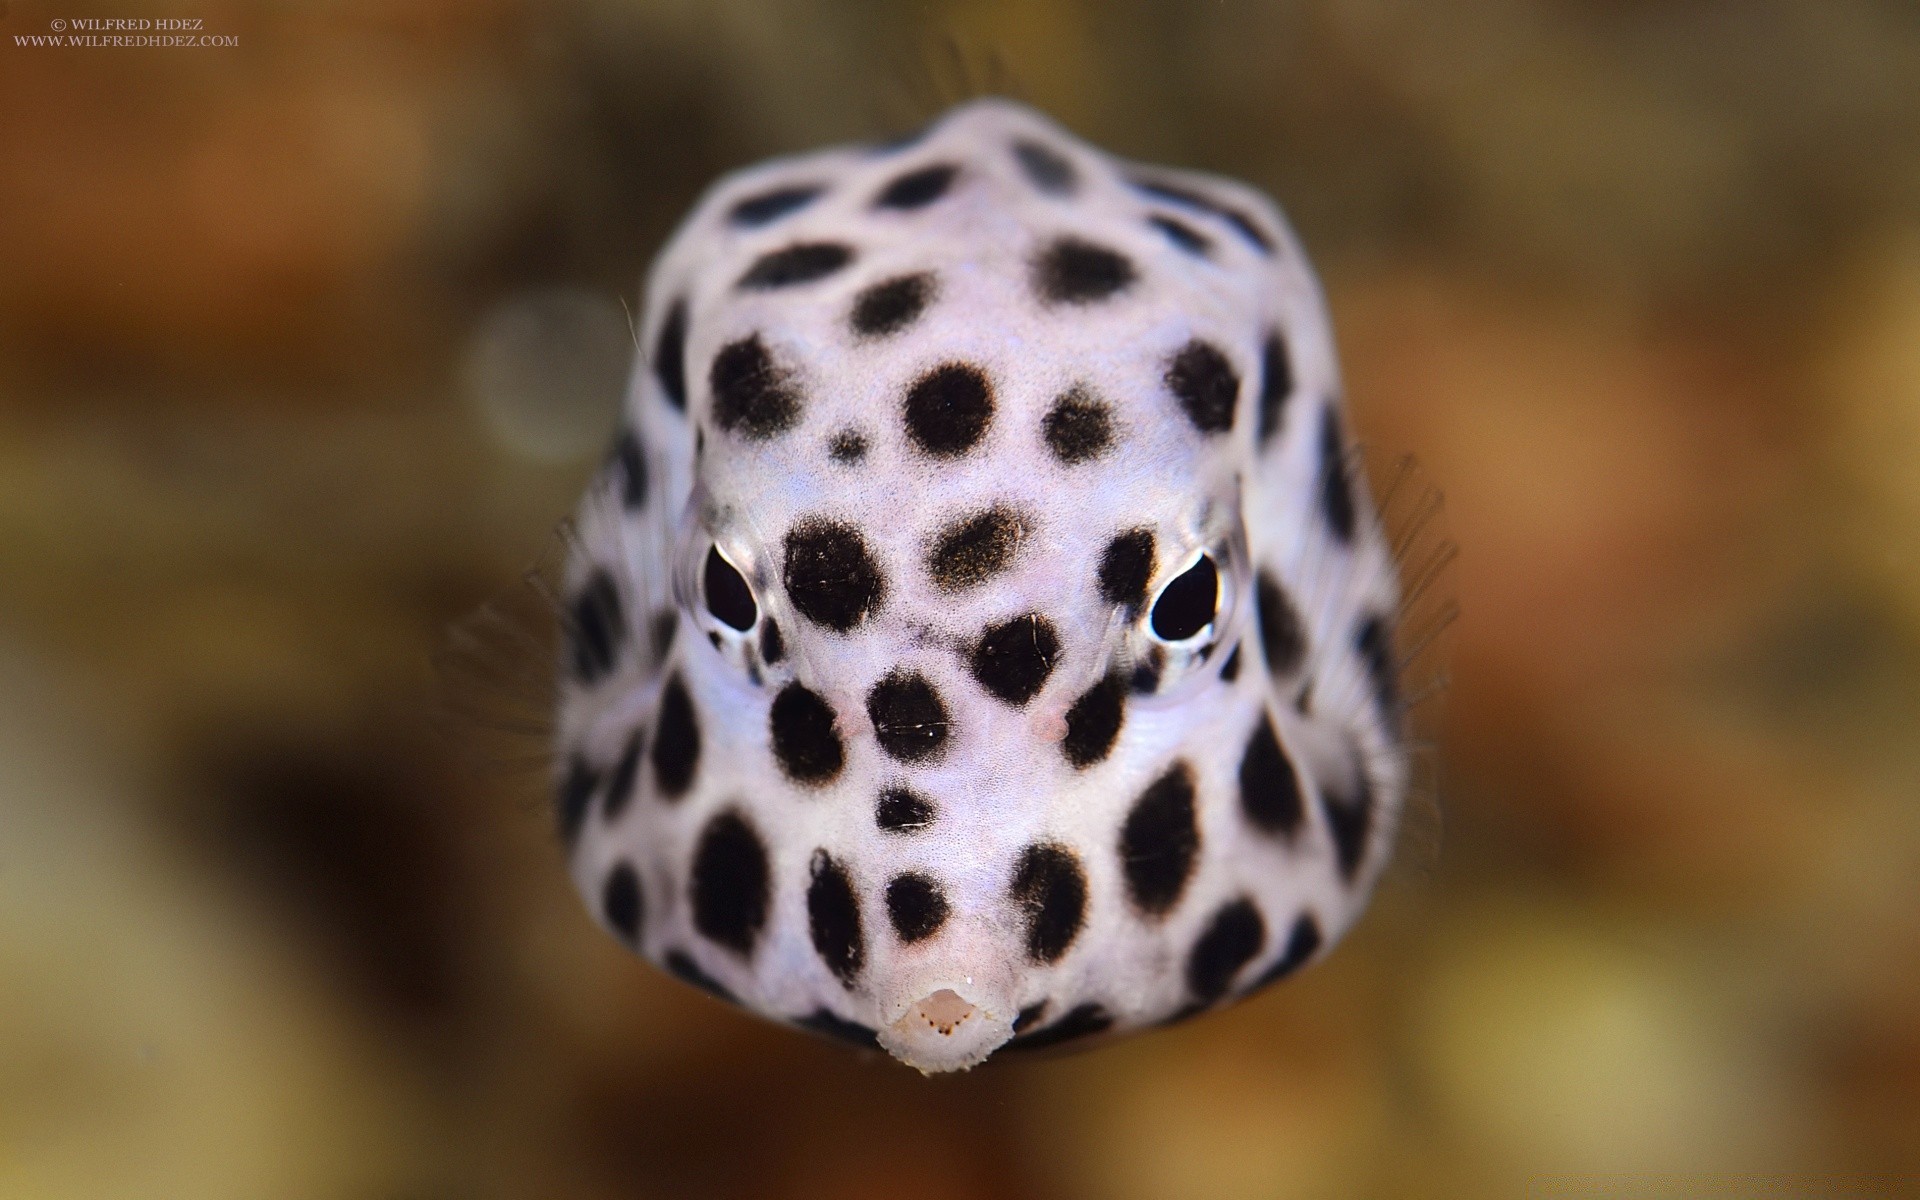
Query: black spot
[1374,642]
[767,207]
[804,742]
[1230,670]
[660,632]
[1336,491]
[909,718]
[833,918]
[1269,786]
[676,743]
[801,263]
[1160,842]
[670,355]
[1146,672]
[1082,1021]
[1280,634]
[1241,222]
[1126,567]
[1183,235]
[595,628]
[570,799]
[916,905]
[633,471]
[750,394]
[918,188]
[827,1024]
[620,900]
[772,647]
[903,811]
[1013,659]
[891,305]
[1205,383]
[830,576]
[848,446]
[1078,427]
[620,787]
[730,883]
[974,549]
[1046,168]
[948,409]
[1070,271]
[1302,944]
[1231,941]
[1093,723]
[1350,819]
[1276,384]
[683,968]
[728,596]
[1051,889]
[1028,1015]
[1188,603]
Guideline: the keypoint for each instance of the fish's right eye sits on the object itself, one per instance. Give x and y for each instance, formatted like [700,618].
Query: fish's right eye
[729,597]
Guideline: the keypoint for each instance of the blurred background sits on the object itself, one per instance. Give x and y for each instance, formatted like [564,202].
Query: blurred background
[307,343]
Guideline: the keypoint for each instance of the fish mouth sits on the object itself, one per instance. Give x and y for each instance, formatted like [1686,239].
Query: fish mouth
[944,1030]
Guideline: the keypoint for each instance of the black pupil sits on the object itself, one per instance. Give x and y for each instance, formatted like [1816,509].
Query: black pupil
[728,596]
[1186,605]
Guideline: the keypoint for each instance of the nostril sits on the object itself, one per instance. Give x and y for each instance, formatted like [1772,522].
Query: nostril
[943,1012]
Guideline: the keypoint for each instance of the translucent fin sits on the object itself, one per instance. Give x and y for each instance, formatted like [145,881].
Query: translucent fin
[1413,515]
[495,671]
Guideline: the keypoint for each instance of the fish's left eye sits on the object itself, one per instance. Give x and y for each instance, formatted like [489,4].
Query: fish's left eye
[1187,604]
[729,598]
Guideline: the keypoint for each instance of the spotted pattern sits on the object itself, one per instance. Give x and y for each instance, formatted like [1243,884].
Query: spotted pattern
[765,208]
[975,548]
[833,919]
[805,743]
[625,773]
[801,263]
[752,395]
[916,905]
[1269,787]
[1046,168]
[918,188]
[1160,842]
[1126,568]
[1078,428]
[1013,659]
[670,355]
[1232,939]
[1050,886]
[830,575]
[1281,638]
[1070,270]
[1094,721]
[620,901]
[596,627]
[903,810]
[948,410]
[909,719]
[1205,384]
[891,305]
[731,884]
[676,742]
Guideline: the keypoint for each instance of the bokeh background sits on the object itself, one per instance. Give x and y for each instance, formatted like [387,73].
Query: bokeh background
[307,343]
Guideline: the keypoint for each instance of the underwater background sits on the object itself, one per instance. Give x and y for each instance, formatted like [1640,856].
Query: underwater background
[308,341]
